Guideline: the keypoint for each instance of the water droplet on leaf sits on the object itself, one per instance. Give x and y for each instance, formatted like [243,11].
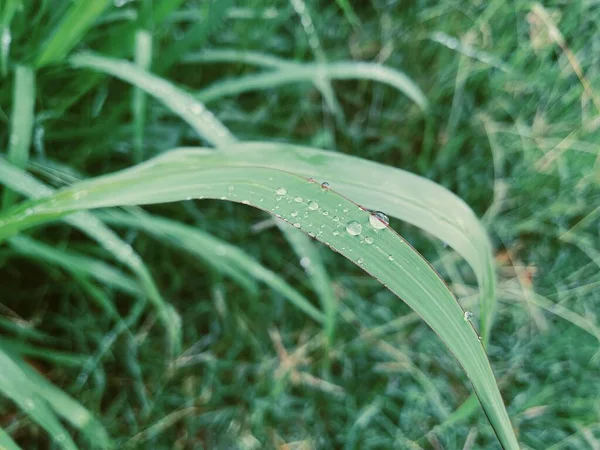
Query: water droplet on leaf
[280,191]
[354,228]
[379,220]
[313,205]
[369,240]
[325,185]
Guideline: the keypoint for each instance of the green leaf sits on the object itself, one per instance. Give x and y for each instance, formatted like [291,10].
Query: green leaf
[78,19]
[181,102]
[272,177]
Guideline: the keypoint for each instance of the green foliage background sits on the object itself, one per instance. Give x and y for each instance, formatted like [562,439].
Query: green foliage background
[511,128]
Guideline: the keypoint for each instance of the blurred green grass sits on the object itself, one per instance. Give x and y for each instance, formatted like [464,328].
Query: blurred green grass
[512,130]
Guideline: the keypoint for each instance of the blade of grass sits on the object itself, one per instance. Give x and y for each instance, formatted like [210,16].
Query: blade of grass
[181,102]
[21,123]
[322,82]
[215,12]
[45,354]
[143,59]
[311,262]
[73,262]
[386,256]
[79,18]
[401,194]
[265,60]
[7,12]
[15,384]
[229,55]
[22,329]
[311,73]
[6,442]
[110,241]
[206,246]
[65,406]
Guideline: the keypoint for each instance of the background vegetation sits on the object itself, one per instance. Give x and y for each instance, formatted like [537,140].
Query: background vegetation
[512,128]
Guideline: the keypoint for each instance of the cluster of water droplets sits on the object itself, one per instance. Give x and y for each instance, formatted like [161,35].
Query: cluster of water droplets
[377,219]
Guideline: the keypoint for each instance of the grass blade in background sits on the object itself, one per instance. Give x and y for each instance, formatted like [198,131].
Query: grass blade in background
[339,223]
[311,262]
[66,407]
[349,13]
[79,18]
[210,248]
[311,73]
[321,82]
[7,12]
[230,55]
[72,262]
[109,240]
[143,59]
[17,386]
[21,127]
[182,103]
[215,12]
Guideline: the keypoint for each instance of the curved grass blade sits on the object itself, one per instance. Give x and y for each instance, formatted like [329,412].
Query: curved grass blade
[83,265]
[89,224]
[269,61]
[206,247]
[41,353]
[401,194]
[229,55]
[179,101]
[348,70]
[336,221]
[15,384]
[66,407]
